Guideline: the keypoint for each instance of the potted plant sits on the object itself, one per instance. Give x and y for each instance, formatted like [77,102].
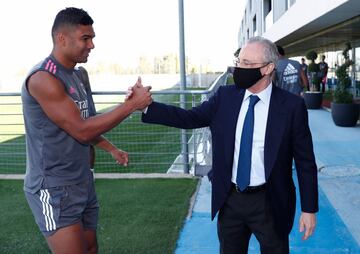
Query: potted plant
[344,111]
[313,98]
[327,99]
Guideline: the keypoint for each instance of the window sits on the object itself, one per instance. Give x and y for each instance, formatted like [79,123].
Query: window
[245,17]
[267,14]
[267,7]
[254,26]
[289,3]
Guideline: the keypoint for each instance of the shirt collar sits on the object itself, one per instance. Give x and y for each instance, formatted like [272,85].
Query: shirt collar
[264,95]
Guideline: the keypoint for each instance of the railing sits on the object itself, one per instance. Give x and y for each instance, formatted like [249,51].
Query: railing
[151,148]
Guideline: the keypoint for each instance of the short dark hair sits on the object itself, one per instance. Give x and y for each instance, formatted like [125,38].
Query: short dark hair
[70,16]
[280,50]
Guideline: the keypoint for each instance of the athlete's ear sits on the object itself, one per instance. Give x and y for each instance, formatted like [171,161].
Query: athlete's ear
[60,38]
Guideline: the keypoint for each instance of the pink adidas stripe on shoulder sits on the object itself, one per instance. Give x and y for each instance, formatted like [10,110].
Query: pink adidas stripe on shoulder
[48,64]
[51,67]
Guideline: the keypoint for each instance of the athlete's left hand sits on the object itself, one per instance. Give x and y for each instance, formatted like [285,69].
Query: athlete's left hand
[121,157]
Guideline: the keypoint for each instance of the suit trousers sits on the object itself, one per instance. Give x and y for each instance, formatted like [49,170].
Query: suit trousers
[244,214]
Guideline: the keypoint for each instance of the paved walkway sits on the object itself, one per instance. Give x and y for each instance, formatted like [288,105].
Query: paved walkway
[338,231]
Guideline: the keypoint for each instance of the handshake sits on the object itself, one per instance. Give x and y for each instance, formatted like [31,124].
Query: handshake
[139,96]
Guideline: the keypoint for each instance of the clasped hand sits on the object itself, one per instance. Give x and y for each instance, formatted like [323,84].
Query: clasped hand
[140,95]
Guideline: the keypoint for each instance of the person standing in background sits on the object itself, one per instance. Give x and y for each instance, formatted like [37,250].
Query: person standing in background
[304,67]
[323,66]
[290,75]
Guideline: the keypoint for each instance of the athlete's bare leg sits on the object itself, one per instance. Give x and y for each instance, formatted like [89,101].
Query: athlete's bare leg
[91,241]
[68,240]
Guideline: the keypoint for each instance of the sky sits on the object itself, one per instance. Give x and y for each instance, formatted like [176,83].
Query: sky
[125,29]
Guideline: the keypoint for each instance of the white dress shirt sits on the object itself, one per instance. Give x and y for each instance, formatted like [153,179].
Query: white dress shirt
[257,173]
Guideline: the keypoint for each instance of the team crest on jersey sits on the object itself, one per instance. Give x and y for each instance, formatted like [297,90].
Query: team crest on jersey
[72,90]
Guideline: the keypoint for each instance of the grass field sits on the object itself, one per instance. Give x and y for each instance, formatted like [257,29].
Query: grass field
[136,216]
[151,148]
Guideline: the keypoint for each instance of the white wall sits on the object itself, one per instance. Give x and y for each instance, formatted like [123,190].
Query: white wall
[300,13]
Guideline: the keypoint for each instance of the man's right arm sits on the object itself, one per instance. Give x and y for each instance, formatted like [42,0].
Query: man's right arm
[61,109]
[197,117]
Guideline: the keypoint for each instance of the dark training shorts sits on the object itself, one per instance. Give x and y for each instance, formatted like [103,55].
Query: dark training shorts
[62,206]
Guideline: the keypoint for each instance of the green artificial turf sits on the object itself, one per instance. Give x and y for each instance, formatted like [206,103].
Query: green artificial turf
[136,216]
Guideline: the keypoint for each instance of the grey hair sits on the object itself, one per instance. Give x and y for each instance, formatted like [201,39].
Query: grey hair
[271,54]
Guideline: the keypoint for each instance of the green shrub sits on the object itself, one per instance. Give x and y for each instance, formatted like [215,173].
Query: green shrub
[342,96]
[328,95]
[341,93]
[311,55]
[313,67]
[313,70]
[315,81]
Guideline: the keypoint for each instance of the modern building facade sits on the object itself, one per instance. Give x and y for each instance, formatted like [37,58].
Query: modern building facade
[303,25]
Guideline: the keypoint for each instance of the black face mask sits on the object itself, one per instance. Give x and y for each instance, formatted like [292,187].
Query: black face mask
[247,77]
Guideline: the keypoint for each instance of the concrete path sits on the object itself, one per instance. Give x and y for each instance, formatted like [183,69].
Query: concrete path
[337,151]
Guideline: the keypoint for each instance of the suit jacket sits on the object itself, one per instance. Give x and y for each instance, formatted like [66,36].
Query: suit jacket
[287,136]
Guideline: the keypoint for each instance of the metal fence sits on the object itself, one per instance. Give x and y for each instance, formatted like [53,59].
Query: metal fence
[151,148]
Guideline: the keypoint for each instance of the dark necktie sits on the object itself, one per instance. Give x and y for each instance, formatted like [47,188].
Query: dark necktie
[244,163]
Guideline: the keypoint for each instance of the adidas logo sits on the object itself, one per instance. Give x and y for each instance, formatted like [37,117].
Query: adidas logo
[290,70]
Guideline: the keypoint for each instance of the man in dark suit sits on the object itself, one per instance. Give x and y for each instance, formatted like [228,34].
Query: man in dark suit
[257,130]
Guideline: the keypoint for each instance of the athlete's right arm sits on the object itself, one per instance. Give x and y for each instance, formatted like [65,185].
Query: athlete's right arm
[62,110]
